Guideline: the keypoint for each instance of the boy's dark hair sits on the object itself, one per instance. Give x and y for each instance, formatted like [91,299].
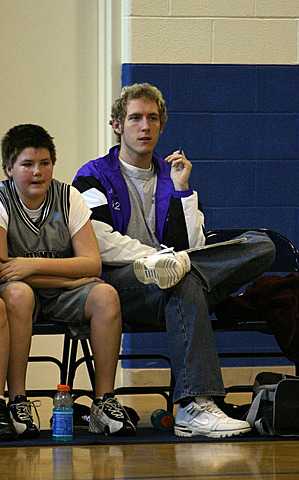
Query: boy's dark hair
[25,136]
[131,92]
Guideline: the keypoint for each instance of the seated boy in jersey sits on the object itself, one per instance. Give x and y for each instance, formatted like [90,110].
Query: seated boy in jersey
[50,264]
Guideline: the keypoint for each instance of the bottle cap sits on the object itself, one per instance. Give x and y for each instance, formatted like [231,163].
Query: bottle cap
[167,421]
[162,420]
[63,388]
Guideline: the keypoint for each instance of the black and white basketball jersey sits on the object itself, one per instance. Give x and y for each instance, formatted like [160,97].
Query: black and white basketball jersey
[49,236]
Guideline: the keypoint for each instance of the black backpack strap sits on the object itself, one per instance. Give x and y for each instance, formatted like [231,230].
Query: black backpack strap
[265,392]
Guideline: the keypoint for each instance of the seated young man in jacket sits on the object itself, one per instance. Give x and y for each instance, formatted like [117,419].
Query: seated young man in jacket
[141,203]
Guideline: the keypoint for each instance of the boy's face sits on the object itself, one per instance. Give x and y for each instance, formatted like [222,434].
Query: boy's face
[32,174]
[141,129]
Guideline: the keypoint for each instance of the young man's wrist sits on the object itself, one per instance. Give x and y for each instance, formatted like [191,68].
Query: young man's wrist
[183,193]
[181,188]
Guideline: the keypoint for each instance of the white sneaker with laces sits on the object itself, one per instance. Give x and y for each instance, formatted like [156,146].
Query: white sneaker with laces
[164,268]
[203,417]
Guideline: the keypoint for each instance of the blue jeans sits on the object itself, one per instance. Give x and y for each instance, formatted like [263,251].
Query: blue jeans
[185,308]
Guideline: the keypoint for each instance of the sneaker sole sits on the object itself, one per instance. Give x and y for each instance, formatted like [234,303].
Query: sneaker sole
[125,431]
[166,273]
[29,435]
[182,431]
[8,436]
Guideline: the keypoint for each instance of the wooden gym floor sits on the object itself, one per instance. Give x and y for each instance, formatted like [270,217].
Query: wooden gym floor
[269,460]
[246,461]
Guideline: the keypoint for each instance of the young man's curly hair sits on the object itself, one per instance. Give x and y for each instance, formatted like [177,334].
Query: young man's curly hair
[138,90]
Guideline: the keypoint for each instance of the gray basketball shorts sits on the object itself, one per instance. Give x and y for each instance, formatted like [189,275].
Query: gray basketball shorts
[61,305]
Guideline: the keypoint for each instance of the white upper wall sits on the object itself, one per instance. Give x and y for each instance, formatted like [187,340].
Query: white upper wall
[49,74]
[210,31]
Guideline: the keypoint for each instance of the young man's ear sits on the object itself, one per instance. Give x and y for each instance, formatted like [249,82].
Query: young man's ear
[117,126]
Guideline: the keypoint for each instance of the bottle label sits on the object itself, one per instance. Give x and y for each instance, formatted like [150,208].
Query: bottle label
[63,423]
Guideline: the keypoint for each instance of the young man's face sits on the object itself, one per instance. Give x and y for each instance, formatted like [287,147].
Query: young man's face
[140,132]
[32,175]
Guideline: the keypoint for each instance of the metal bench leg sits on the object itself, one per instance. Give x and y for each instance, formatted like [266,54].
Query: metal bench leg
[65,359]
[72,364]
[89,363]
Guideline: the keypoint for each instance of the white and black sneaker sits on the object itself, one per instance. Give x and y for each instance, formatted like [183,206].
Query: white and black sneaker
[108,416]
[7,430]
[164,268]
[203,417]
[21,416]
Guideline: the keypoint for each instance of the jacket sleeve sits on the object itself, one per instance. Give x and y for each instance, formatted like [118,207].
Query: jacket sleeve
[185,225]
[116,249]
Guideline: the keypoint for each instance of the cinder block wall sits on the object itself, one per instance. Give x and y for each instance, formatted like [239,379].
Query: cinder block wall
[215,31]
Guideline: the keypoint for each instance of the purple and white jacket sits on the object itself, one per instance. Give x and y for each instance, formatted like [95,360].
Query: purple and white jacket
[179,221]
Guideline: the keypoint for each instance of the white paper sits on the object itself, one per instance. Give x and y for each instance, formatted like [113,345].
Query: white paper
[219,244]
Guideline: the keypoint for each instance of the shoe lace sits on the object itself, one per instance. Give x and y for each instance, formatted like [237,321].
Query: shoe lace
[212,408]
[166,249]
[113,405]
[24,410]
[209,406]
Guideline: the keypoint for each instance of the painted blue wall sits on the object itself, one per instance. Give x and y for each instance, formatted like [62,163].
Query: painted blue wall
[239,125]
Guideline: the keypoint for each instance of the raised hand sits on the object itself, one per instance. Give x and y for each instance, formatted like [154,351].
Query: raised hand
[180,170]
